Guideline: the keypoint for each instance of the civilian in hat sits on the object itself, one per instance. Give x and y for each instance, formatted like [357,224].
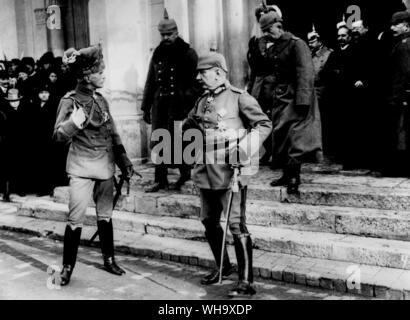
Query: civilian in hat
[221,110]
[24,84]
[13,68]
[17,145]
[296,136]
[84,120]
[169,94]
[398,96]
[256,58]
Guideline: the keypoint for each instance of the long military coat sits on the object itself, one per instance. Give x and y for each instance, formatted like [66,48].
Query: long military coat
[399,92]
[93,150]
[289,88]
[170,91]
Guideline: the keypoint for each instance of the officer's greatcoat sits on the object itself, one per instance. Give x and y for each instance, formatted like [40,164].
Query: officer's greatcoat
[91,153]
[169,92]
[296,133]
[216,113]
[399,92]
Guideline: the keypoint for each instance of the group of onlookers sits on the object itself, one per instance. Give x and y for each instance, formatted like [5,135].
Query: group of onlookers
[29,96]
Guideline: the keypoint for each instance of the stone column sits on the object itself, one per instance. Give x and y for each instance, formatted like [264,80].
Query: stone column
[123,28]
[55,32]
[205,25]
[8,27]
[236,30]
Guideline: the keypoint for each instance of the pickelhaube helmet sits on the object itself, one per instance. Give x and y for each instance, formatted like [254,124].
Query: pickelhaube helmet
[167,25]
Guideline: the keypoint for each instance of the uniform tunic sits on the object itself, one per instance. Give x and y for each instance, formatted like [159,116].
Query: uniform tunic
[91,157]
[215,113]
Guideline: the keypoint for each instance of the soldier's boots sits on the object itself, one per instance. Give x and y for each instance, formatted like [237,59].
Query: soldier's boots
[215,238]
[294,181]
[185,176]
[283,180]
[157,186]
[71,243]
[243,250]
[106,235]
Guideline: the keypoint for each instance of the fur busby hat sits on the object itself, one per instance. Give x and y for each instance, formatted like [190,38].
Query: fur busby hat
[269,19]
[85,61]
[264,9]
[167,25]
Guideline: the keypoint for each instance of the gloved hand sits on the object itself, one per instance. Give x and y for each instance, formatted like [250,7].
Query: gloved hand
[147,118]
[78,117]
[127,172]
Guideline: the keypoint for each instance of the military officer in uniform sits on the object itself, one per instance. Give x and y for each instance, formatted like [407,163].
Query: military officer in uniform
[223,108]
[169,94]
[297,132]
[84,120]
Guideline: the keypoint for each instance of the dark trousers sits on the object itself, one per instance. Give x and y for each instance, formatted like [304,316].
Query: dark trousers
[161,172]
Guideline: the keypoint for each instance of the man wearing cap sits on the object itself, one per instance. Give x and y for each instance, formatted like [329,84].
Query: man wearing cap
[85,121]
[259,77]
[296,123]
[226,115]
[398,97]
[169,94]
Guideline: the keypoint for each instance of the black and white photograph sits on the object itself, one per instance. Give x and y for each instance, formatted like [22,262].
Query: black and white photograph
[205,155]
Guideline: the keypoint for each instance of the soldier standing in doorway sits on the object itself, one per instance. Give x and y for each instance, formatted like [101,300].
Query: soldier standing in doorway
[223,108]
[169,94]
[85,121]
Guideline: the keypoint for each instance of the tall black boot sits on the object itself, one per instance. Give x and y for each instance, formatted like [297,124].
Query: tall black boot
[283,180]
[7,192]
[215,239]
[294,180]
[185,176]
[243,250]
[71,243]
[106,234]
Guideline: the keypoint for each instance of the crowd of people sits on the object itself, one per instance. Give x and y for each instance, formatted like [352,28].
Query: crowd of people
[31,162]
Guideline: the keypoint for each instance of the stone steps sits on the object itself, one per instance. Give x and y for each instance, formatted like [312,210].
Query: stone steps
[386,224]
[336,188]
[368,281]
[329,246]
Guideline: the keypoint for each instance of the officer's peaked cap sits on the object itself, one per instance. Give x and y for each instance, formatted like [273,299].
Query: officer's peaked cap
[401,16]
[212,60]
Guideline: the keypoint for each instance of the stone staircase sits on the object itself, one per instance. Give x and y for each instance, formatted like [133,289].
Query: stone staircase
[347,231]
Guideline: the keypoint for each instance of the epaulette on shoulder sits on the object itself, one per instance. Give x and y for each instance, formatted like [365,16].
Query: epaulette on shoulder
[237,90]
[295,38]
[69,94]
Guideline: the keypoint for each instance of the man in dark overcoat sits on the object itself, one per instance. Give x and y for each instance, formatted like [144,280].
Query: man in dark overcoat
[231,120]
[256,58]
[85,122]
[398,99]
[296,135]
[169,94]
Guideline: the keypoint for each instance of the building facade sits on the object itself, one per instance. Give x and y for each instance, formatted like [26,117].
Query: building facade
[128,31]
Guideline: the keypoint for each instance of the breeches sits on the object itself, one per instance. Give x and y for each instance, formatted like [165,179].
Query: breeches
[81,191]
[214,202]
